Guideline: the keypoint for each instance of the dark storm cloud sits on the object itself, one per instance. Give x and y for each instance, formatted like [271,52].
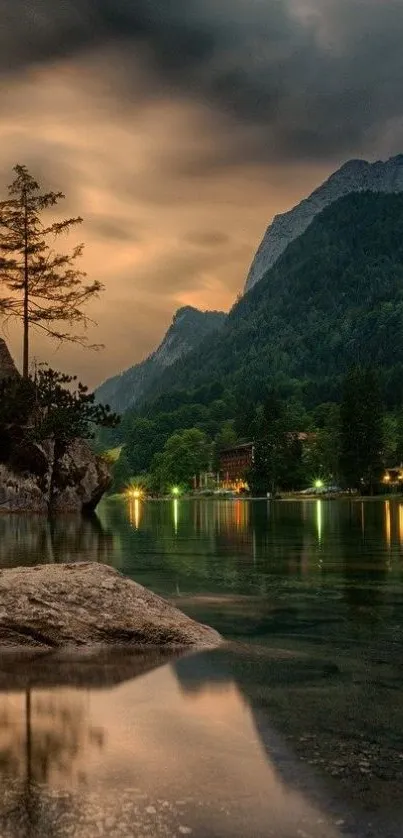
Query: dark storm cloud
[314,78]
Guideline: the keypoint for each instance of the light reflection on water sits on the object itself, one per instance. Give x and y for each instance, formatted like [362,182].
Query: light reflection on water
[313,590]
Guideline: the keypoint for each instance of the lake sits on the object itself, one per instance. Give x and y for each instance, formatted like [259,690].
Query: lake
[294,728]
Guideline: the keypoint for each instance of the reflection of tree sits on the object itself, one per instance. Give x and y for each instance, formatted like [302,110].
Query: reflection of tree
[47,736]
[43,741]
[30,539]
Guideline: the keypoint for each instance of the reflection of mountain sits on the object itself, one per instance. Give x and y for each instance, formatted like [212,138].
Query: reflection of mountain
[340,711]
[30,539]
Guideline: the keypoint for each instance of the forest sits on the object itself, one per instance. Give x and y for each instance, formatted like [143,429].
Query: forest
[332,303]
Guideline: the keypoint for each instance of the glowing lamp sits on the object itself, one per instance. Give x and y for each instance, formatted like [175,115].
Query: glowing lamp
[134,493]
[318,484]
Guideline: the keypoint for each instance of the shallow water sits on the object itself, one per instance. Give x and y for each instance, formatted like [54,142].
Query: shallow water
[294,729]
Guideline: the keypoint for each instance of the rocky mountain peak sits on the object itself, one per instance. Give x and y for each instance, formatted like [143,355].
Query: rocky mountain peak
[353,176]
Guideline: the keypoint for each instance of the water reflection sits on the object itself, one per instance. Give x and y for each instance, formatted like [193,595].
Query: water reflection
[33,539]
[134,512]
[45,736]
[314,592]
[192,764]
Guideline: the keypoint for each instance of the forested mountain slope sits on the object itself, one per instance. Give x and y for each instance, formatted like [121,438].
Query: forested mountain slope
[353,176]
[334,298]
[188,328]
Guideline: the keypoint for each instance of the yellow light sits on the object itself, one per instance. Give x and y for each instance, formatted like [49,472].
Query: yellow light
[388,522]
[176,490]
[386,478]
[318,484]
[134,492]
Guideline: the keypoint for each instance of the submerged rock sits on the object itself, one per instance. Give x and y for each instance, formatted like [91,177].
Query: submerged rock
[88,604]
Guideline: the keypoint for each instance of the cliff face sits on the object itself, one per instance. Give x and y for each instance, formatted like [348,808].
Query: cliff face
[7,366]
[188,328]
[354,176]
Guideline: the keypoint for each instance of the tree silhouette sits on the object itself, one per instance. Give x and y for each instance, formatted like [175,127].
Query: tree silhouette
[45,288]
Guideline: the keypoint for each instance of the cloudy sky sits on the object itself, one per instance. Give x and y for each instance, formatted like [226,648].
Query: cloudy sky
[178,128]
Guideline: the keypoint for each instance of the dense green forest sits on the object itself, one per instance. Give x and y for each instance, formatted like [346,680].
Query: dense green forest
[334,300]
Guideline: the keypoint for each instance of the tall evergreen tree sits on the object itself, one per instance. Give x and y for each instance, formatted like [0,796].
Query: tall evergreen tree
[269,432]
[361,430]
[45,288]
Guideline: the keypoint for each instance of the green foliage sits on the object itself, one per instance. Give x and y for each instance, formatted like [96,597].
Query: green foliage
[321,455]
[48,406]
[121,473]
[361,430]
[185,455]
[278,451]
[334,299]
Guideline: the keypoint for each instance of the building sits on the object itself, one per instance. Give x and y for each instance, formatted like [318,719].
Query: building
[393,476]
[234,464]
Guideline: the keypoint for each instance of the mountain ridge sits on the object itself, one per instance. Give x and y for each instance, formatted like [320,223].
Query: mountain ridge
[355,175]
[188,328]
[334,298]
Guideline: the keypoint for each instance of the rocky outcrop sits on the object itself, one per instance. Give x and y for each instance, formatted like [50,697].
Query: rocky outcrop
[20,493]
[87,605]
[34,477]
[37,481]
[189,327]
[80,479]
[354,176]
[7,366]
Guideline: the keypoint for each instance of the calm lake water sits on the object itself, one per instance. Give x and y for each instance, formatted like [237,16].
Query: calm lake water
[294,728]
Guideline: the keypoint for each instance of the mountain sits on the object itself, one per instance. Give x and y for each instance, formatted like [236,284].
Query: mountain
[354,176]
[189,327]
[334,298]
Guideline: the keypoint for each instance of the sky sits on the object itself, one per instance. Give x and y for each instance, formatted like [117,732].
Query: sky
[177,129]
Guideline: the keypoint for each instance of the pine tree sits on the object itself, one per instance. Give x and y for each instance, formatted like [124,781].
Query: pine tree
[45,288]
[361,430]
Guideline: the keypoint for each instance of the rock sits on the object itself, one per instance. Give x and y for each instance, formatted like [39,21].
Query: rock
[7,366]
[35,482]
[59,606]
[80,479]
[353,176]
[34,479]
[20,493]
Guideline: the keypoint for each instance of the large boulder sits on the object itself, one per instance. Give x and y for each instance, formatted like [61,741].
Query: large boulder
[87,605]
